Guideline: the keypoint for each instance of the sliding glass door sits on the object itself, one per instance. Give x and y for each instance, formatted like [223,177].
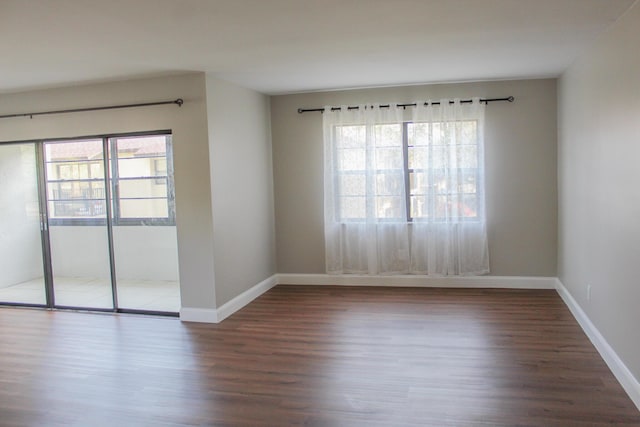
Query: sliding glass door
[143,218]
[78,233]
[21,262]
[89,223]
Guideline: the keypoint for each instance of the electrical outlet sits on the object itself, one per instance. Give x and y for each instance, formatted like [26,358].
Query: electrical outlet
[588,292]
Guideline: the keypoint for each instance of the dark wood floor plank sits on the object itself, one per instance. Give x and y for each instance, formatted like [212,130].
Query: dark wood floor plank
[314,356]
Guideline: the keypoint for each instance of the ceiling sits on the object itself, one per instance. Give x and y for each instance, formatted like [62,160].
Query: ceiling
[285,46]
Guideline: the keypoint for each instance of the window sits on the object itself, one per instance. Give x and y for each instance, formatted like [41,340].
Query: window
[430,168]
[353,157]
[142,187]
[404,189]
[140,177]
[442,170]
[75,179]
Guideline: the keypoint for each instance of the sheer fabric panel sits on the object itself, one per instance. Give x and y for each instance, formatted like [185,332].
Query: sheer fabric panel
[450,237]
[365,209]
[404,195]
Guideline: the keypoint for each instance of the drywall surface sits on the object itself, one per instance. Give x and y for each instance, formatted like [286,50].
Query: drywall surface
[242,186]
[190,151]
[599,188]
[520,156]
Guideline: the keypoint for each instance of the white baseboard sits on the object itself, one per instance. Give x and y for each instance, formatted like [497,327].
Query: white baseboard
[611,358]
[212,315]
[200,315]
[508,282]
[246,297]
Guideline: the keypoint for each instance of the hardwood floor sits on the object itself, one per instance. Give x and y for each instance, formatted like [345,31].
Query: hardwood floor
[316,356]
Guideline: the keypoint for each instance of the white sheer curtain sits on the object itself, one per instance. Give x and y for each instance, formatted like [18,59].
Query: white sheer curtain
[405,195]
[365,210]
[449,236]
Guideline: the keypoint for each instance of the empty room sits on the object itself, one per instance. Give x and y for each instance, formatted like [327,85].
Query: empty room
[321,213]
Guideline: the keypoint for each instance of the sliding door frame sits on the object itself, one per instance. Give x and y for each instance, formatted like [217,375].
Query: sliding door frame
[106,155]
[44,225]
[109,184]
[44,235]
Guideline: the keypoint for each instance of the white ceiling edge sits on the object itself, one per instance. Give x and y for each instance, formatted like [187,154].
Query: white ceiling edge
[146,76]
[95,82]
[425,83]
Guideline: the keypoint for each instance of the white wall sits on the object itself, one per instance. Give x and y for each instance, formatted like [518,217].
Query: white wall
[242,185]
[520,172]
[190,149]
[599,188]
[20,247]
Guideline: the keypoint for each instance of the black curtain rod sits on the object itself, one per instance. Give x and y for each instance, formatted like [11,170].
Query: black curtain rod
[178,102]
[464,101]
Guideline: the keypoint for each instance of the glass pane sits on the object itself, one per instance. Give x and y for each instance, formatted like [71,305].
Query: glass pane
[73,170]
[142,184]
[74,151]
[467,156]
[440,183]
[352,185]
[391,184]
[134,167]
[352,208]
[350,136]
[79,252]
[419,207]
[142,156]
[390,207]
[468,184]
[75,190]
[456,206]
[419,182]
[351,159]
[144,208]
[159,167]
[440,157]
[469,132]
[146,257]
[418,157]
[147,267]
[21,264]
[389,158]
[442,207]
[80,260]
[142,188]
[142,146]
[437,133]
[470,206]
[75,179]
[85,209]
[418,134]
[388,135]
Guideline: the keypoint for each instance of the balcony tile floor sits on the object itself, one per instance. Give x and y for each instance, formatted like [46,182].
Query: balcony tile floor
[91,292]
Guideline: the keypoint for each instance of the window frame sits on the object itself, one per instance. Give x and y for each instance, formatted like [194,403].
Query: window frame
[407,181]
[112,178]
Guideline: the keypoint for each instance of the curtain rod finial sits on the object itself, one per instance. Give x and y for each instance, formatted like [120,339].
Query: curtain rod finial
[179,101]
[511,99]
